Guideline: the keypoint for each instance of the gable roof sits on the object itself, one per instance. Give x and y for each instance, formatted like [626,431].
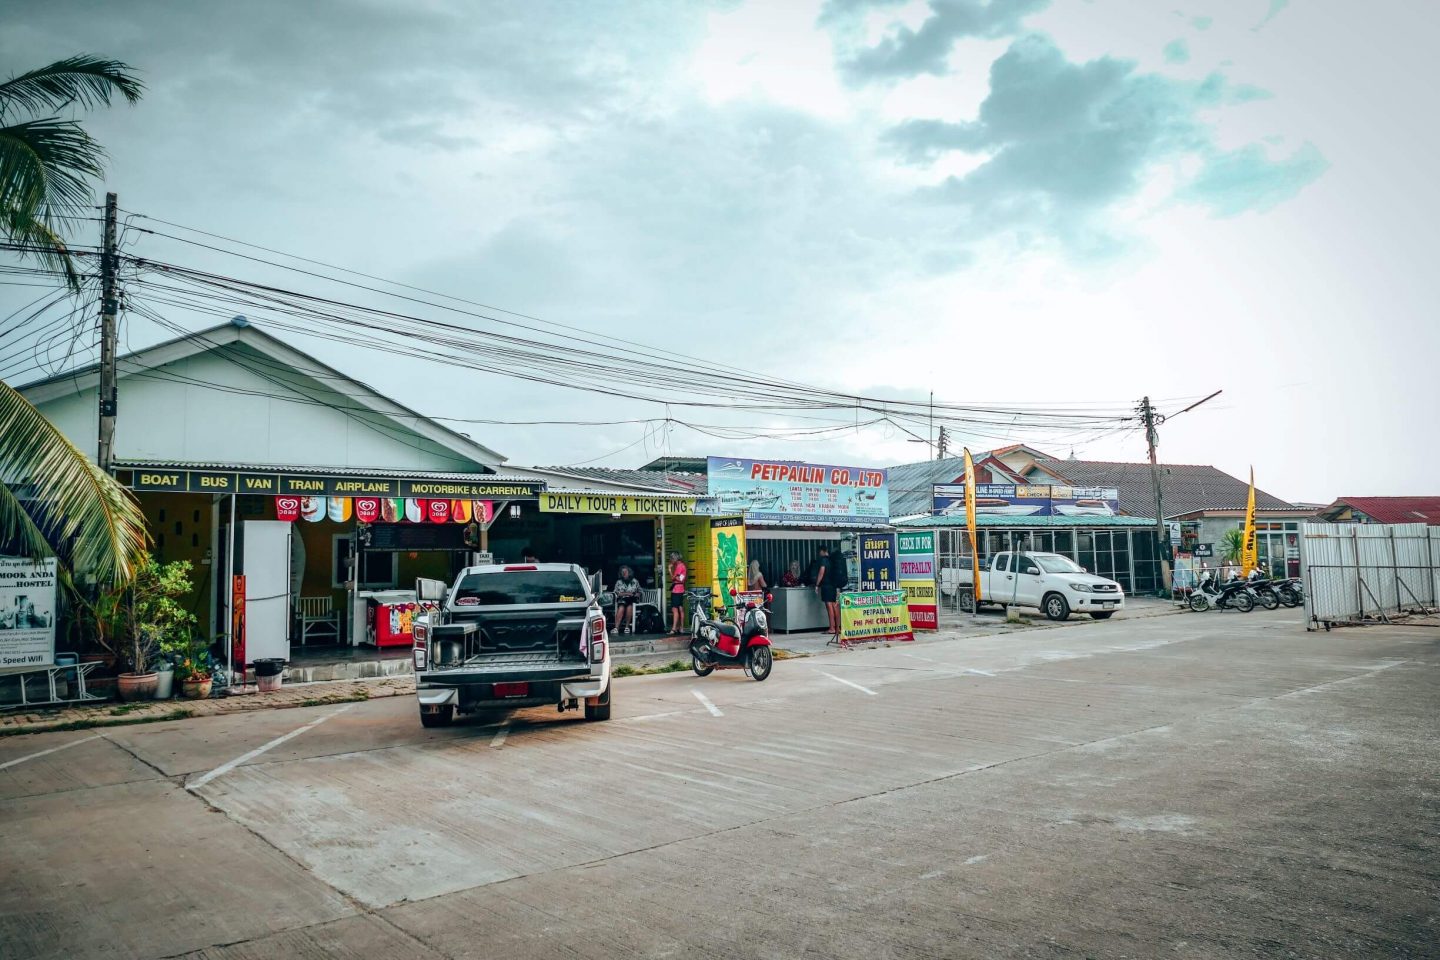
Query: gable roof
[241,331]
[1184,487]
[912,484]
[1391,509]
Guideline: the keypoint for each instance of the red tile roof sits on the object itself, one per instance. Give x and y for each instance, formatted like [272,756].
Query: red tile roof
[1394,509]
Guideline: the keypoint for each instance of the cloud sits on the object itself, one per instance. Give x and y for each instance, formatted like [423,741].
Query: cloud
[1177,51]
[1243,180]
[907,52]
[1276,8]
[1065,144]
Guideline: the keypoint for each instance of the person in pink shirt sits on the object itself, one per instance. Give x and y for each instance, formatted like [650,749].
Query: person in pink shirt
[677,593]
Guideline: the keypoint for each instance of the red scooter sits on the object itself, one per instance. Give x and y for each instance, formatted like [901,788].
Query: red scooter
[726,645]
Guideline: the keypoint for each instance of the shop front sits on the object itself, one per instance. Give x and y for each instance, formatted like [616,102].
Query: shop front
[313,558]
[793,509]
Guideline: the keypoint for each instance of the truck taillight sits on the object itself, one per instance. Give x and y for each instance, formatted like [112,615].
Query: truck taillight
[597,639]
[419,631]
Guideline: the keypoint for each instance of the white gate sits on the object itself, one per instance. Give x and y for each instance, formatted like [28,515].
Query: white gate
[1356,572]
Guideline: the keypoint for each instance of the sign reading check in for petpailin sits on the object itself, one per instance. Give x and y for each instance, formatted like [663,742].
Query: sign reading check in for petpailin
[27,612]
[615,503]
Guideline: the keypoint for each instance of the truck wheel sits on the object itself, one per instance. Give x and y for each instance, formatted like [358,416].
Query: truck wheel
[1103,615]
[600,710]
[438,718]
[967,601]
[1056,608]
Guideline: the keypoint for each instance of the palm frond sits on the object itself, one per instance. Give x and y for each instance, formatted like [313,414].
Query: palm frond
[83,79]
[45,166]
[43,243]
[84,507]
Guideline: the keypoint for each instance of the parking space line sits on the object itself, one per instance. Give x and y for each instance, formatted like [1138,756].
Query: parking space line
[983,673]
[225,768]
[40,753]
[850,683]
[916,656]
[714,710]
[499,739]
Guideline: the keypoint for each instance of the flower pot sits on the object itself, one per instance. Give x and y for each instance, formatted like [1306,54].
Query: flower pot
[194,689]
[165,685]
[136,686]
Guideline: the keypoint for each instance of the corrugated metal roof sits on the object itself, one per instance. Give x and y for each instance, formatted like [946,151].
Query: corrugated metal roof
[1393,509]
[912,484]
[317,469]
[1185,487]
[689,484]
[992,520]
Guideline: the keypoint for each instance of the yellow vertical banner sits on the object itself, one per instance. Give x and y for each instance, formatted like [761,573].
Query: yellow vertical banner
[970,523]
[727,551]
[1248,556]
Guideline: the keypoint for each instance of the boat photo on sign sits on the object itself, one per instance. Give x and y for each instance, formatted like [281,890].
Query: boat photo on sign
[781,490]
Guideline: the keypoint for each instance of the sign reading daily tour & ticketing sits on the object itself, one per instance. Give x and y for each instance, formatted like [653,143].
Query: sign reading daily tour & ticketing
[877,562]
[781,490]
[874,615]
[27,612]
[917,578]
[1027,500]
[615,503]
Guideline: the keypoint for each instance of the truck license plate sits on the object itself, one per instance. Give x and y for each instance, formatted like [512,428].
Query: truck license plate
[506,690]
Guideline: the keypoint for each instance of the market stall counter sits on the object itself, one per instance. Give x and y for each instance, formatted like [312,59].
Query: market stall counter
[797,608]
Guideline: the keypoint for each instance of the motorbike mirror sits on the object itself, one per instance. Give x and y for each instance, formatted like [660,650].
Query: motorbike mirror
[733,592]
[769,597]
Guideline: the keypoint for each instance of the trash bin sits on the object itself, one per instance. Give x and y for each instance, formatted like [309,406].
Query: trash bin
[269,672]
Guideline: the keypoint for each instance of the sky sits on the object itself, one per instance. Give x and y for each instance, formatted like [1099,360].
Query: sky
[1039,203]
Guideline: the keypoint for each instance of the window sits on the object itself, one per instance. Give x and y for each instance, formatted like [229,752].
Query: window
[1001,563]
[1059,565]
[378,569]
[521,586]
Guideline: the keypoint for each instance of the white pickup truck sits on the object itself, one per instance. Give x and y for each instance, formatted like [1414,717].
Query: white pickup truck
[1048,581]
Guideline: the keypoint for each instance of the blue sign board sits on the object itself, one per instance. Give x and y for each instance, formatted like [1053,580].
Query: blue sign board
[781,491]
[879,567]
[1020,500]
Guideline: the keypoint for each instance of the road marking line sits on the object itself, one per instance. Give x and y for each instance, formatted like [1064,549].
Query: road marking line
[714,710]
[225,768]
[653,716]
[983,673]
[850,683]
[499,739]
[914,656]
[64,746]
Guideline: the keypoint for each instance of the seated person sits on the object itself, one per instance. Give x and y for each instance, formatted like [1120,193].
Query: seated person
[627,593]
[793,576]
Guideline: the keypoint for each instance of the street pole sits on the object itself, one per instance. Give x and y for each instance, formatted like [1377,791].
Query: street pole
[1147,414]
[109,308]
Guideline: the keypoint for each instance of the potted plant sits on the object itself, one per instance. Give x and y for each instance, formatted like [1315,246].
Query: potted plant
[193,668]
[155,618]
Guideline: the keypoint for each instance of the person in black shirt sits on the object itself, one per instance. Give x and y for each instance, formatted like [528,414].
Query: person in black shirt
[830,579]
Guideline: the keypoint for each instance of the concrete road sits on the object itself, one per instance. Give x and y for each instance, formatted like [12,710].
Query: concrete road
[1200,785]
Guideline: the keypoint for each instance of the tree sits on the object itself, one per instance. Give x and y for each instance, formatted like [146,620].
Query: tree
[46,161]
[1231,544]
[72,509]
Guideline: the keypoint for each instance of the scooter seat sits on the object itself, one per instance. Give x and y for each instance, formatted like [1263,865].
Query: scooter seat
[729,630]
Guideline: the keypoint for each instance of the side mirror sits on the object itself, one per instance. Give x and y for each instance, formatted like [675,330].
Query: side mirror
[733,592]
[769,597]
[430,590]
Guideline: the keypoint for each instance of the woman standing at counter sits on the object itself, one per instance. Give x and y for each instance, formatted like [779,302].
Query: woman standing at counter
[756,579]
[794,576]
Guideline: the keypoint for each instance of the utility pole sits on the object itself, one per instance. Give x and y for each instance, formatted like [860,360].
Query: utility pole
[942,446]
[1162,538]
[109,308]
[1152,420]
[933,450]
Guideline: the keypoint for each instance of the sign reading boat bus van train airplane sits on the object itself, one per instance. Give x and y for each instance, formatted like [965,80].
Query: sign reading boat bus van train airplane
[783,491]
[1017,500]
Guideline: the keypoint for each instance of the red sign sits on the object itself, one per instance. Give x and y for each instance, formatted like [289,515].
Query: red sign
[924,617]
[438,510]
[287,508]
[483,510]
[367,509]
[237,623]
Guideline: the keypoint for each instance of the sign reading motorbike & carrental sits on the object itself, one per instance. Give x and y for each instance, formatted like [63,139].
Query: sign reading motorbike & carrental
[27,612]
[784,491]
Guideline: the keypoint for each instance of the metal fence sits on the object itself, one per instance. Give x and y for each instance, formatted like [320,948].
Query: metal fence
[1359,572]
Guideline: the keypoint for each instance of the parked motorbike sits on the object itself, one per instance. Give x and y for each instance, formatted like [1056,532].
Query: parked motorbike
[1291,592]
[1266,593]
[1234,595]
[721,644]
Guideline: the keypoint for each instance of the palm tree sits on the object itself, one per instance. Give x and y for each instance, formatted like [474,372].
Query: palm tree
[47,162]
[72,508]
[1231,544]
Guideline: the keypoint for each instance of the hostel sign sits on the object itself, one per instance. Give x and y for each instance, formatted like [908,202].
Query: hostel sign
[616,503]
[176,480]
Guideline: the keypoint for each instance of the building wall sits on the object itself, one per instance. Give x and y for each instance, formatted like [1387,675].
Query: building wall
[174,413]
